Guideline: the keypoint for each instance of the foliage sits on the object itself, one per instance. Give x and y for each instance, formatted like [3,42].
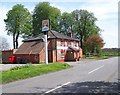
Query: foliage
[111,51]
[84,25]
[66,22]
[4,45]
[30,71]
[81,22]
[97,57]
[94,44]
[18,23]
[45,11]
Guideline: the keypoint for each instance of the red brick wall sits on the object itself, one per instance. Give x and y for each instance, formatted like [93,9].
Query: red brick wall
[29,58]
[5,55]
[42,56]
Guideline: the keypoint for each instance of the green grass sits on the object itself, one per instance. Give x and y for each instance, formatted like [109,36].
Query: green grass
[28,71]
[111,54]
[97,57]
[102,56]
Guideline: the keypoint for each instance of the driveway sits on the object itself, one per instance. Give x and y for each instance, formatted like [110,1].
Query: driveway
[100,76]
[83,61]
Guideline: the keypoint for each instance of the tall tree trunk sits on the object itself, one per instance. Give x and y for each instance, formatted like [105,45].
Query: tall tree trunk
[81,36]
[17,39]
[14,46]
[81,42]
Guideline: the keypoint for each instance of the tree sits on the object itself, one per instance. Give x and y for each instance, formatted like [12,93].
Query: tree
[84,25]
[4,45]
[94,44]
[18,23]
[66,22]
[45,11]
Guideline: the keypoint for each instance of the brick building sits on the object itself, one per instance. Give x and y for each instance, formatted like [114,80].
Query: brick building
[60,48]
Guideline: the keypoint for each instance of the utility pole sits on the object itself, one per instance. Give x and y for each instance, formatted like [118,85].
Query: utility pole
[45,29]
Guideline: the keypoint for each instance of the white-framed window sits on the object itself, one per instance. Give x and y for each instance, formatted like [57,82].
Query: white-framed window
[62,53]
[75,44]
[62,43]
[68,43]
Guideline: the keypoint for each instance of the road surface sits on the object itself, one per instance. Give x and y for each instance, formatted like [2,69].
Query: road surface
[97,76]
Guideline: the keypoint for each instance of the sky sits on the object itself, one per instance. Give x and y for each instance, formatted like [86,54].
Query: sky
[106,12]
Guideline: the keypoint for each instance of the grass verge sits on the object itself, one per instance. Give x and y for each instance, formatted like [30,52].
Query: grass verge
[97,57]
[28,71]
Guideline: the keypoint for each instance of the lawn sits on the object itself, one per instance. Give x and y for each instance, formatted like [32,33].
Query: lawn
[28,71]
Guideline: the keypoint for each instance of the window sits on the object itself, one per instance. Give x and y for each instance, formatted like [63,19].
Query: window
[75,44]
[65,43]
[69,43]
[62,53]
[36,58]
[62,43]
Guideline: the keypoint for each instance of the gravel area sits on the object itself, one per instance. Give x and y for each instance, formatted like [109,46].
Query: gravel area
[4,67]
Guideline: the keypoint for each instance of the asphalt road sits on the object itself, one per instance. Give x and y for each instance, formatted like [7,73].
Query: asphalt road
[88,76]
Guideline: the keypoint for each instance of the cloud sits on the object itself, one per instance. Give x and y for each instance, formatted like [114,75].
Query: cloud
[2,17]
[107,15]
[102,9]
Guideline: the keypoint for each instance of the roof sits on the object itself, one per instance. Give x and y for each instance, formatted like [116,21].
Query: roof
[33,47]
[51,34]
[74,49]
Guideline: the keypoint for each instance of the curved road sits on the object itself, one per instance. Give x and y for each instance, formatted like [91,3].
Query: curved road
[86,76]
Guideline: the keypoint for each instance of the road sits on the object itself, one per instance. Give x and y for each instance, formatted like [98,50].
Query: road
[94,76]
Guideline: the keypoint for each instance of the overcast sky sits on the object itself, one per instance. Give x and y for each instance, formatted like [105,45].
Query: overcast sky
[106,11]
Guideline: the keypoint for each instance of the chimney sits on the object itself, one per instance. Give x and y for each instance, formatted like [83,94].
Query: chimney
[70,34]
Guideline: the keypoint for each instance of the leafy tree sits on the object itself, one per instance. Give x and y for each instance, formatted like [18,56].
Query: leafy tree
[45,11]
[18,23]
[66,22]
[4,45]
[94,44]
[84,25]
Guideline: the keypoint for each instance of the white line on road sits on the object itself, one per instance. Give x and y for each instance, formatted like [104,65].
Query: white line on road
[57,87]
[95,69]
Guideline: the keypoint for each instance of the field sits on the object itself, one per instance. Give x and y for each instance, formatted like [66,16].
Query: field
[106,53]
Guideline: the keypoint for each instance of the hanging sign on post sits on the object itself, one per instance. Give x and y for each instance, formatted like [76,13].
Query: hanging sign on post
[45,29]
[45,25]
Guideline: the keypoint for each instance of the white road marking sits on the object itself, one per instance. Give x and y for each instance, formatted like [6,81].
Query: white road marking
[95,69]
[58,87]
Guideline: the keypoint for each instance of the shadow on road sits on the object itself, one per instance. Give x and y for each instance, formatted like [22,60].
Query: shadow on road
[82,88]
[90,87]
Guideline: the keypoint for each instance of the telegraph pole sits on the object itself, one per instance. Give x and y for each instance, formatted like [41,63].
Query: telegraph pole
[45,29]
